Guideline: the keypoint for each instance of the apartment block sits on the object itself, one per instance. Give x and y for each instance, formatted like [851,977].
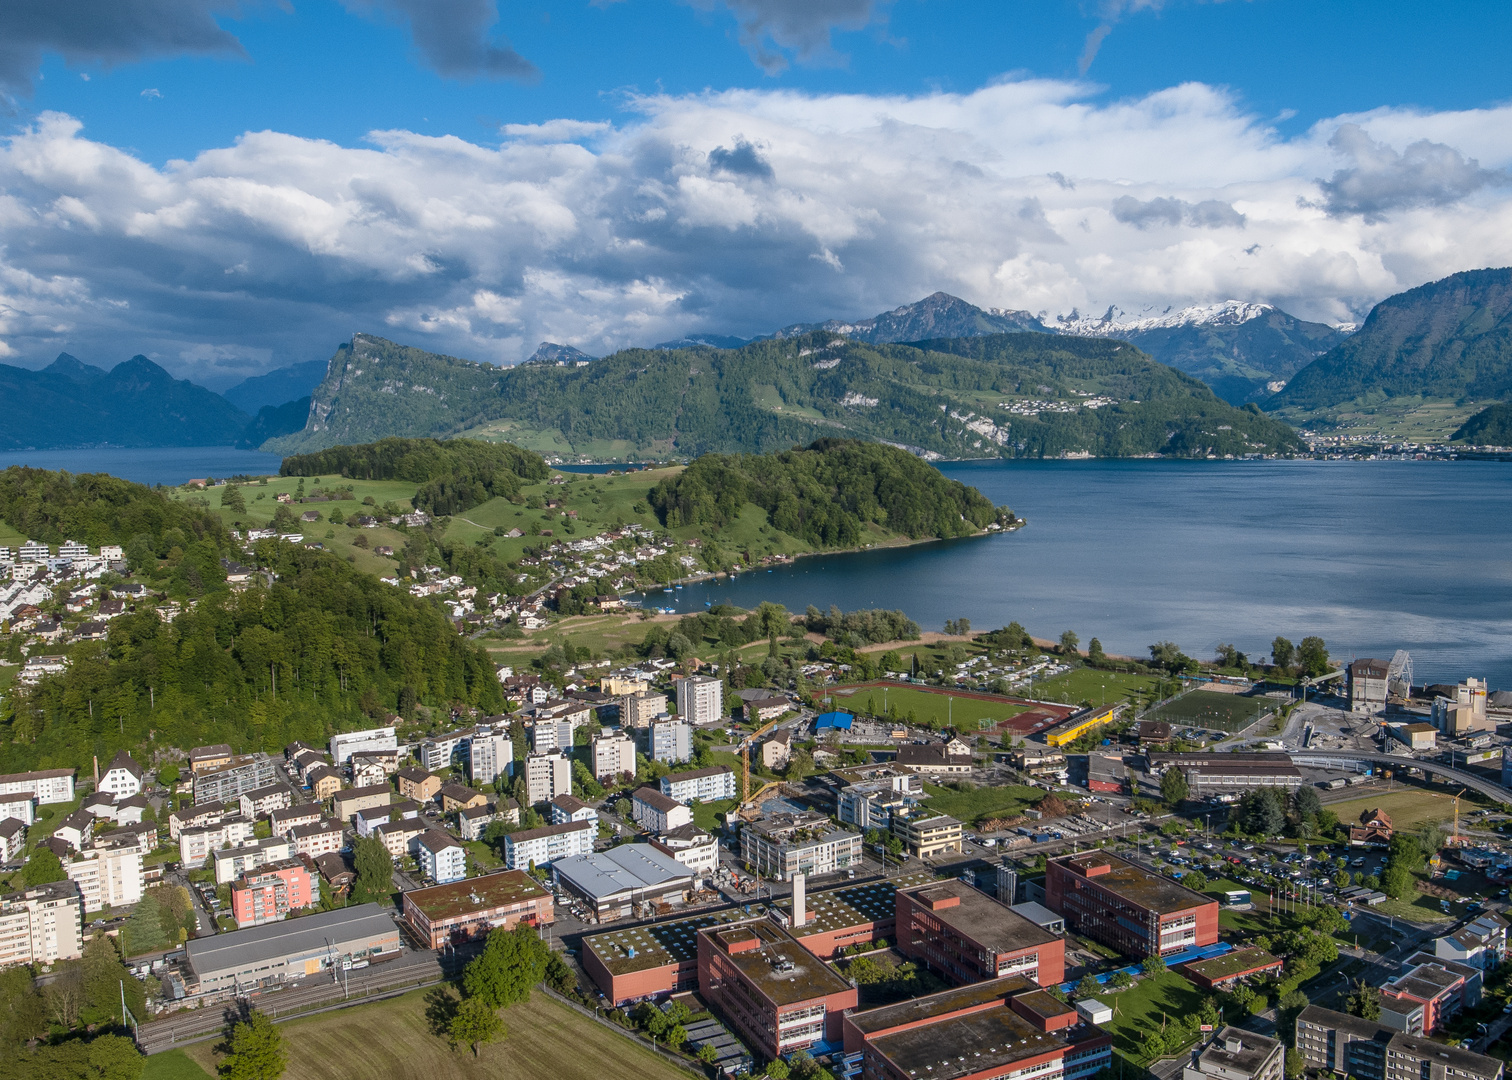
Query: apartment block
[781,845]
[1235,1054]
[440,752]
[638,709]
[348,801]
[924,833]
[490,756]
[656,812]
[231,863]
[668,739]
[343,746]
[613,755]
[46,785]
[226,783]
[546,777]
[700,699]
[107,877]
[539,847]
[319,838]
[270,892]
[264,800]
[700,785]
[1347,1045]
[195,845]
[42,924]
[441,856]
[1128,908]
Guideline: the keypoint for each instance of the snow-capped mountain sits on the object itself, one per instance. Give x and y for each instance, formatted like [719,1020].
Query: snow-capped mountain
[1116,321]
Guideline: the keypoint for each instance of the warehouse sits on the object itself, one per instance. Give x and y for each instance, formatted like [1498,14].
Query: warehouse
[614,882]
[291,949]
[466,910]
[1229,773]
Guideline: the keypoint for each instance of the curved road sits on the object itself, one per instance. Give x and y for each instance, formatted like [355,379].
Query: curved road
[1334,758]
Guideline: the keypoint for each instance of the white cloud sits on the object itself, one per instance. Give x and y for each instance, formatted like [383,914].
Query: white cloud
[735,212]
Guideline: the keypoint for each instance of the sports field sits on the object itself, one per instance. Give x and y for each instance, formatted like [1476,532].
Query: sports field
[1208,709]
[932,707]
[1090,684]
[390,1039]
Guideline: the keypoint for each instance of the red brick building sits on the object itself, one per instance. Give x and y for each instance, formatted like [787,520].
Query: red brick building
[650,961]
[776,995]
[1129,908]
[967,936]
[836,919]
[270,892]
[1220,972]
[466,910]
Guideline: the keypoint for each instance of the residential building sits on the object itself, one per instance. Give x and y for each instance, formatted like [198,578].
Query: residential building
[374,767]
[441,856]
[467,910]
[669,739]
[691,846]
[107,877]
[472,824]
[122,777]
[776,995]
[348,801]
[1007,1028]
[763,710]
[322,837]
[343,746]
[456,797]
[777,748]
[1427,992]
[272,891]
[1480,943]
[490,756]
[285,820]
[21,807]
[45,785]
[541,847]
[937,758]
[143,836]
[336,872]
[549,735]
[261,956]
[209,757]
[966,936]
[400,837]
[613,755]
[228,781]
[305,760]
[1228,773]
[700,785]
[546,777]
[417,784]
[41,925]
[76,829]
[262,801]
[657,813]
[924,833]
[700,700]
[565,808]
[324,782]
[195,845]
[781,845]
[867,795]
[638,709]
[231,863]
[1347,1045]
[367,820]
[1374,829]
[440,752]
[197,816]
[614,883]
[1128,908]
[1235,1054]
[12,840]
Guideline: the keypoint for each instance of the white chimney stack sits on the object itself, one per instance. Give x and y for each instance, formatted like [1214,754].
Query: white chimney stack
[800,910]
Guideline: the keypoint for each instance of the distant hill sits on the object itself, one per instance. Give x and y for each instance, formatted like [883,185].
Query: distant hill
[1002,395]
[276,387]
[273,421]
[939,315]
[136,403]
[1491,426]
[549,352]
[1447,339]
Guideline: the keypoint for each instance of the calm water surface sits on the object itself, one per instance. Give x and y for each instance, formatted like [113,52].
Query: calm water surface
[151,465]
[1372,556]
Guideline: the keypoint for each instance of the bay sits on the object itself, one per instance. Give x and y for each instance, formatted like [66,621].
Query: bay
[151,465]
[1372,556]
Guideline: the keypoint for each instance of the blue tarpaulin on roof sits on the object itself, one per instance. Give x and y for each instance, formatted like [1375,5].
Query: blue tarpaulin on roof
[833,720]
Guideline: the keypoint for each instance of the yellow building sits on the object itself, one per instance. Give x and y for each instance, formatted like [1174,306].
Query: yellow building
[1078,726]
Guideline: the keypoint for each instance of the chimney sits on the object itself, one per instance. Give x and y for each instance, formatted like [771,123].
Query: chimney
[800,908]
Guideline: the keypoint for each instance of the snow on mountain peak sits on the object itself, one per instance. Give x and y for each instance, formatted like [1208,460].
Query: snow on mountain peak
[1115,320]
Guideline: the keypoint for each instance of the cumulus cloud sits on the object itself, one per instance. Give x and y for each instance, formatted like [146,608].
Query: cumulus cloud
[734,212]
[774,30]
[453,36]
[1208,214]
[1380,180]
[107,32]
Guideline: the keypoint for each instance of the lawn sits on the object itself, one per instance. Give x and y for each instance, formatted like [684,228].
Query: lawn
[1408,807]
[1210,709]
[934,708]
[173,1065]
[392,1039]
[708,815]
[485,856]
[1146,1005]
[982,803]
[1090,684]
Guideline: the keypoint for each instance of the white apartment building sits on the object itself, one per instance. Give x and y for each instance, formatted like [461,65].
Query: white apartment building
[613,754]
[12,840]
[195,845]
[46,786]
[656,813]
[549,735]
[441,857]
[107,877]
[439,752]
[669,739]
[321,838]
[41,925]
[538,847]
[73,549]
[122,777]
[231,863]
[700,785]
[546,777]
[343,746]
[691,846]
[490,757]
[700,699]
[20,807]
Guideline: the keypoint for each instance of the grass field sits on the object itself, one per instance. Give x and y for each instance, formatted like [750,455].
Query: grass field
[927,707]
[390,1039]
[1145,1005]
[1210,709]
[173,1065]
[709,816]
[1089,684]
[982,803]
[1408,807]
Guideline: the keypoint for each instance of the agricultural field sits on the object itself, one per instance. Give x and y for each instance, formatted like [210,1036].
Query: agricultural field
[1090,684]
[391,1039]
[931,707]
[1210,709]
[983,803]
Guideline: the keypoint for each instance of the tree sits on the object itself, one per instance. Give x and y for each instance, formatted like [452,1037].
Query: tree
[1068,642]
[22,1013]
[42,867]
[1396,882]
[255,1050]
[511,963]
[1196,881]
[115,1057]
[231,499]
[777,1069]
[168,774]
[1282,653]
[1095,654]
[1166,654]
[1173,786]
[144,929]
[1306,802]
[375,870]
[1312,657]
[1121,980]
[1363,1001]
[474,1023]
[1088,987]
[1296,1064]
[1260,812]
[1341,879]
[1153,965]
[1152,1044]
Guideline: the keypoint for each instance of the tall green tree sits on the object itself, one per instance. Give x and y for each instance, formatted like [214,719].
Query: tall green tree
[1312,657]
[375,870]
[42,867]
[1282,652]
[511,963]
[1068,642]
[1173,786]
[474,1023]
[255,1050]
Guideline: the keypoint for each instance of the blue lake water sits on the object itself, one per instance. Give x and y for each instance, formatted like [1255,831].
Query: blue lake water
[1372,556]
[151,465]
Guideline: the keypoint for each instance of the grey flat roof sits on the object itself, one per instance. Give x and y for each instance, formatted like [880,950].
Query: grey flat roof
[238,950]
[621,869]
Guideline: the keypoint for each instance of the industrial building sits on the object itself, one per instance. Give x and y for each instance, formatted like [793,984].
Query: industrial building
[649,961]
[966,936]
[836,919]
[1347,1045]
[468,910]
[616,882]
[1128,908]
[240,960]
[1223,774]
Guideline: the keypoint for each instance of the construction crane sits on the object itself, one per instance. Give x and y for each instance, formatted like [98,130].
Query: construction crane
[745,758]
[1455,839]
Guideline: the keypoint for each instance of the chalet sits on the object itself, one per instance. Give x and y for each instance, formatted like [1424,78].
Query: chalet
[1374,829]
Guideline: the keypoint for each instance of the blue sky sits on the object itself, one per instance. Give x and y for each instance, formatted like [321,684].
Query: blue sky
[570,170]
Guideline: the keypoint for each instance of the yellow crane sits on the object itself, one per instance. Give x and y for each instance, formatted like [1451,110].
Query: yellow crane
[1455,840]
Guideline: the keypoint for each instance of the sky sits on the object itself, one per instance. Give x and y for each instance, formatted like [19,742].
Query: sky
[228,187]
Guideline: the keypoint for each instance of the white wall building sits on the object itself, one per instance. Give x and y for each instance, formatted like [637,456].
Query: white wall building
[41,925]
[700,699]
[539,847]
[546,777]
[348,743]
[700,785]
[656,812]
[669,739]
[489,757]
[613,754]
[107,877]
[122,777]
[46,786]
[442,858]
[231,863]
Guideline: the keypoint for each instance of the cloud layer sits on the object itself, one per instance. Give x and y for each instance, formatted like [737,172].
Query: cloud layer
[734,212]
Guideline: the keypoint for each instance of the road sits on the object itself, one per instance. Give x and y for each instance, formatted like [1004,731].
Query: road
[1335,758]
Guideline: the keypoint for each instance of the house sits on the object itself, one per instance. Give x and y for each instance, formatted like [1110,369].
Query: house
[262,801]
[776,748]
[348,801]
[326,835]
[936,759]
[442,857]
[336,872]
[1374,829]
[282,821]
[565,808]
[374,767]
[658,813]
[417,784]
[324,782]
[691,846]
[131,811]
[123,776]
[76,829]
[456,797]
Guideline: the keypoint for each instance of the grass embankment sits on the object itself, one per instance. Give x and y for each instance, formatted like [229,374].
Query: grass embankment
[980,804]
[1090,684]
[392,1039]
[709,816]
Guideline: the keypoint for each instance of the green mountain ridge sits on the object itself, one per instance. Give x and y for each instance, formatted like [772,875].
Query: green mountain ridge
[997,395]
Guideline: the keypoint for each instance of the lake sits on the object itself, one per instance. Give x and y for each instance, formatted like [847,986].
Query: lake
[151,465]
[1373,556]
